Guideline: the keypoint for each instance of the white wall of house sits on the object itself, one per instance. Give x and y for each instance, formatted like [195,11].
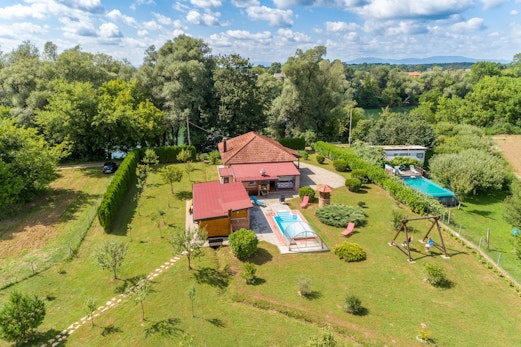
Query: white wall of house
[416,152]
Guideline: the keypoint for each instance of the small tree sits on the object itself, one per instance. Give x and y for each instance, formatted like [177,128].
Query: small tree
[325,339]
[139,292]
[435,275]
[353,305]
[171,174]
[243,243]
[248,273]
[304,286]
[20,316]
[189,242]
[320,159]
[191,296]
[110,256]
[89,306]
[185,156]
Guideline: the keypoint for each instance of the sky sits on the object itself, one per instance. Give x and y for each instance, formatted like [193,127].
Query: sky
[271,31]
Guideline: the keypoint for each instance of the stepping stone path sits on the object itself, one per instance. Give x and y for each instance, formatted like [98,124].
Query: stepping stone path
[64,334]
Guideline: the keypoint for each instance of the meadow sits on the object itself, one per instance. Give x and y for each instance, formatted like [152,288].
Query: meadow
[478,308]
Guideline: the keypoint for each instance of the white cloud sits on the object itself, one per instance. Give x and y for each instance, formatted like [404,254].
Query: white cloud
[38,11]
[74,27]
[276,17]
[291,36]
[206,3]
[341,26]
[21,31]
[206,19]
[245,3]
[472,25]
[91,6]
[109,30]
[239,37]
[488,4]
[388,9]
[117,15]
[514,13]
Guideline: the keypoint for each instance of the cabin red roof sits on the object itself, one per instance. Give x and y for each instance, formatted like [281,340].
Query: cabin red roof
[213,200]
[263,171]
[254,148]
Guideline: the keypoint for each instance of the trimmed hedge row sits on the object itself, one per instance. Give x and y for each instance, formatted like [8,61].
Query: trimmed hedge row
[296,143]
[417,202]
[115,194]
[126,174]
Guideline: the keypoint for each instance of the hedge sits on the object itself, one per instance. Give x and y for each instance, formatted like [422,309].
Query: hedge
[417,202]
[114,197]
[115,194]
[296,143]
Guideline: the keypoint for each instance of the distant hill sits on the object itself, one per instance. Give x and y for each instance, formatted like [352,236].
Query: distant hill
[419,61]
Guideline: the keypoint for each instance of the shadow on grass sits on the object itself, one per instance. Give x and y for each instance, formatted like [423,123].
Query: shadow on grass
[216,322]
[165,327]
[480,213]
[40,338]
[183,195]
[212,277]
[259,281]
[362,311]
[110,329]
[313,295]
[262,256]
[127,283]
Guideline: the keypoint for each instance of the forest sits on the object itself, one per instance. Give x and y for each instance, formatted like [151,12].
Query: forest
[78,106]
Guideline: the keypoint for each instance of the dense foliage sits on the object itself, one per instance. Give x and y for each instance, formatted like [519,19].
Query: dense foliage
[243,243]
[435,275]
[339,215]
[350,252]
[296,143]
[306,191]
[20,316]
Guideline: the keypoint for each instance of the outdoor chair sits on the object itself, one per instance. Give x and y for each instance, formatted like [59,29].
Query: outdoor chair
[413,170]
[349,229]
[305,201]
[257,201]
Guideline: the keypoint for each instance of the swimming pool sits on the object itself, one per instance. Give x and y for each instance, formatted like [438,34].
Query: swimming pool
[426,186]
[292,226]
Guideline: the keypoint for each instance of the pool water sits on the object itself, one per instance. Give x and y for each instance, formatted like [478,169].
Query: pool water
[291,225]
[428,187]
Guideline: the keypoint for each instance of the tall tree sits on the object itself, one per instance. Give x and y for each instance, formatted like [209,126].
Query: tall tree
[240,108]
[20,316]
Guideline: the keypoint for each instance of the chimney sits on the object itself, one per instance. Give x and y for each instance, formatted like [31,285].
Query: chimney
[224,145]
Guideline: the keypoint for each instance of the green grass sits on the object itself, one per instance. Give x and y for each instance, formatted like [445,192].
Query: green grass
[477,309]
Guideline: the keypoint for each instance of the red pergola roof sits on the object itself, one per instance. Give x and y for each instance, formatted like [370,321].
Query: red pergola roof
[254,148]
[212,199]
[252,172]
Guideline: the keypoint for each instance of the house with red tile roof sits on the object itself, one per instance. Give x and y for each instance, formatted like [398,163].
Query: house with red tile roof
[220,208]
[260,163]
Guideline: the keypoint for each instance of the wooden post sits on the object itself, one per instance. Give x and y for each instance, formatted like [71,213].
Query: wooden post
[488,239]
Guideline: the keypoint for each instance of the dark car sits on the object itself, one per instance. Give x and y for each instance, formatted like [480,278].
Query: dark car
[110,167]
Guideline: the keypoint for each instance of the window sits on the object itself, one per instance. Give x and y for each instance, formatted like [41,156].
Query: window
[252,183]
[419,155]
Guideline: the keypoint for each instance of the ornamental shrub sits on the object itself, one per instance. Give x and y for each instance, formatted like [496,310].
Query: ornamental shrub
[214,157]
[353,305]
[339,215]
[353,184]
[435,275]
[307,190]
[340,165]
[304,154]
[361,175]
[248,272]
[304,286]
[350,252]
[296,143]
[320,159]
[243,243]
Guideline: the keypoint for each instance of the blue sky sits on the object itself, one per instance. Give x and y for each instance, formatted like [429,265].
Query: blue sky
[269,31]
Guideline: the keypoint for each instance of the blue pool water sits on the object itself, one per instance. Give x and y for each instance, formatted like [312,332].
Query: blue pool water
[428,187]
[292,226]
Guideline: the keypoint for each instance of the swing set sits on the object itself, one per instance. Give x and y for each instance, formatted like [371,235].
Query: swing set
[405,246]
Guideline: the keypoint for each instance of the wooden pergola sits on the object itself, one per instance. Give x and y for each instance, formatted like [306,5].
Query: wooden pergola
[405,247]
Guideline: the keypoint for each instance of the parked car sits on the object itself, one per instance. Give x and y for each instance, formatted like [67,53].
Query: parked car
[110,167]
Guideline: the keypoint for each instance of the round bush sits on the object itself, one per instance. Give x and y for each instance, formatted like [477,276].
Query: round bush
[360,174]
[435,275]
[353,184]
[248,273]
[350,252]
[339,215]
[320,159]
[243,243]
[341,165]
[353,305]
[307,190]
[304,154]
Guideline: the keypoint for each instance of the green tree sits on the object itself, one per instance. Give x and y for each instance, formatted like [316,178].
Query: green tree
[513,206]
[243,243]
[191,296]
[89,306]
[325,339]
[171,174]
[20,317]
[189,242]
[111,255]
[240,110]
[139,292]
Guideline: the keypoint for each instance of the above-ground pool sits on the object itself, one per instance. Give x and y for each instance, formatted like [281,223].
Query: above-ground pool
[426,186]
[292,226]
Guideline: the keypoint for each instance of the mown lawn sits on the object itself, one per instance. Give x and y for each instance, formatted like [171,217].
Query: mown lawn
[478,309]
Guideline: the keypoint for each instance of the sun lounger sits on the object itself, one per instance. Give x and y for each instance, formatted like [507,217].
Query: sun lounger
[305,201]
[349,229]
[257,201]
[413,170]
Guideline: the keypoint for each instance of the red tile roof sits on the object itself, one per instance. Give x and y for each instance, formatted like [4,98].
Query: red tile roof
[212,199]
[254,148]
[252,172]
